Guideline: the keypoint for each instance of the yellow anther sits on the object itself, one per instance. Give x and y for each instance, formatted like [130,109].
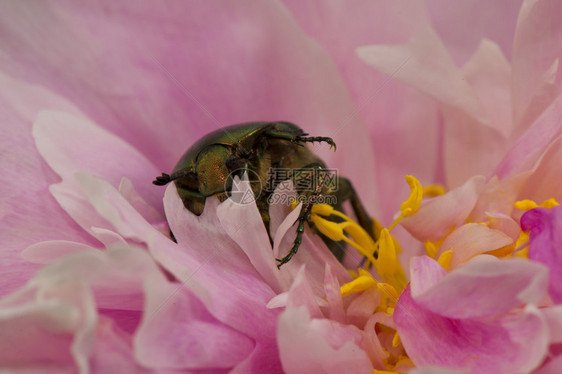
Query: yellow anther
[388,290]
[550,203]
[433,190]
[430,249]
[375,371]
[522,239]
[387,261]
[521,246]
[412,203]
[396,340]
[359,284]
[530,204]
[323,209]
[445,259]
[294,204]
[525,204]
[523,253]
[362,241]
[332,230]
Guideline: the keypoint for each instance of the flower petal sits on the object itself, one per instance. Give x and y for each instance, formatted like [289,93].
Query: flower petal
[272,54]
[439,216]
[27,206]
[546,240]
[208,262]
[66,159]
[473,239]
[537,50]
[510,344]
[466,292]
[319,346]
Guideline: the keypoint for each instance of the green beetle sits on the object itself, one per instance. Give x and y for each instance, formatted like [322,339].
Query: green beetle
[209,166]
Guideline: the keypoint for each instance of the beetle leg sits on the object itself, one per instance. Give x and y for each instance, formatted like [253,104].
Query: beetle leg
[298,139]
[311,139]
[304,215]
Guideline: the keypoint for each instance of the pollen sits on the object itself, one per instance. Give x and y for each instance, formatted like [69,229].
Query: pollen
[530,204]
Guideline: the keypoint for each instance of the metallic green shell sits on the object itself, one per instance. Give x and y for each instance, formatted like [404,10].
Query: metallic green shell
[244,134]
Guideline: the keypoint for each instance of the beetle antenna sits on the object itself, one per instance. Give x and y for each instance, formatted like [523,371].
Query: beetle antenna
[163,180]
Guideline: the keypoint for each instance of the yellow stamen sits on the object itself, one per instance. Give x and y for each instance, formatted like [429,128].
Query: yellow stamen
[430,249]
[432,190]
[387,260]
[396,340]
[360,239]
[359,284]
[388,290]
[445,259]
[521,246]
[523,253]
[412,203]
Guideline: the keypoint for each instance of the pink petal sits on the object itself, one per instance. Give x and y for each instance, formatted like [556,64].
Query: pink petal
[537,50]
[505,224]
[48,330]
[48,251]
[318,345]
[478,141]
[280,66]
[27,205]
[178,332]
[497,197]
[533,142]
[463,24]
[515,343]
[240,219]
[212,265]
[333,294]
[482,287]
[425,273]
[151,214]
[387,107]
[112,351]
[553,316]
[473,239]
[439,216]
[66,159]
[438,370]
[300,294]
[545,236]
[361,308]
[427,67]
[551,367]
[489,76]
[544,182]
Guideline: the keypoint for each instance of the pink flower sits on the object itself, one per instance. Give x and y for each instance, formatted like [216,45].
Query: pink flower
[99,99]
